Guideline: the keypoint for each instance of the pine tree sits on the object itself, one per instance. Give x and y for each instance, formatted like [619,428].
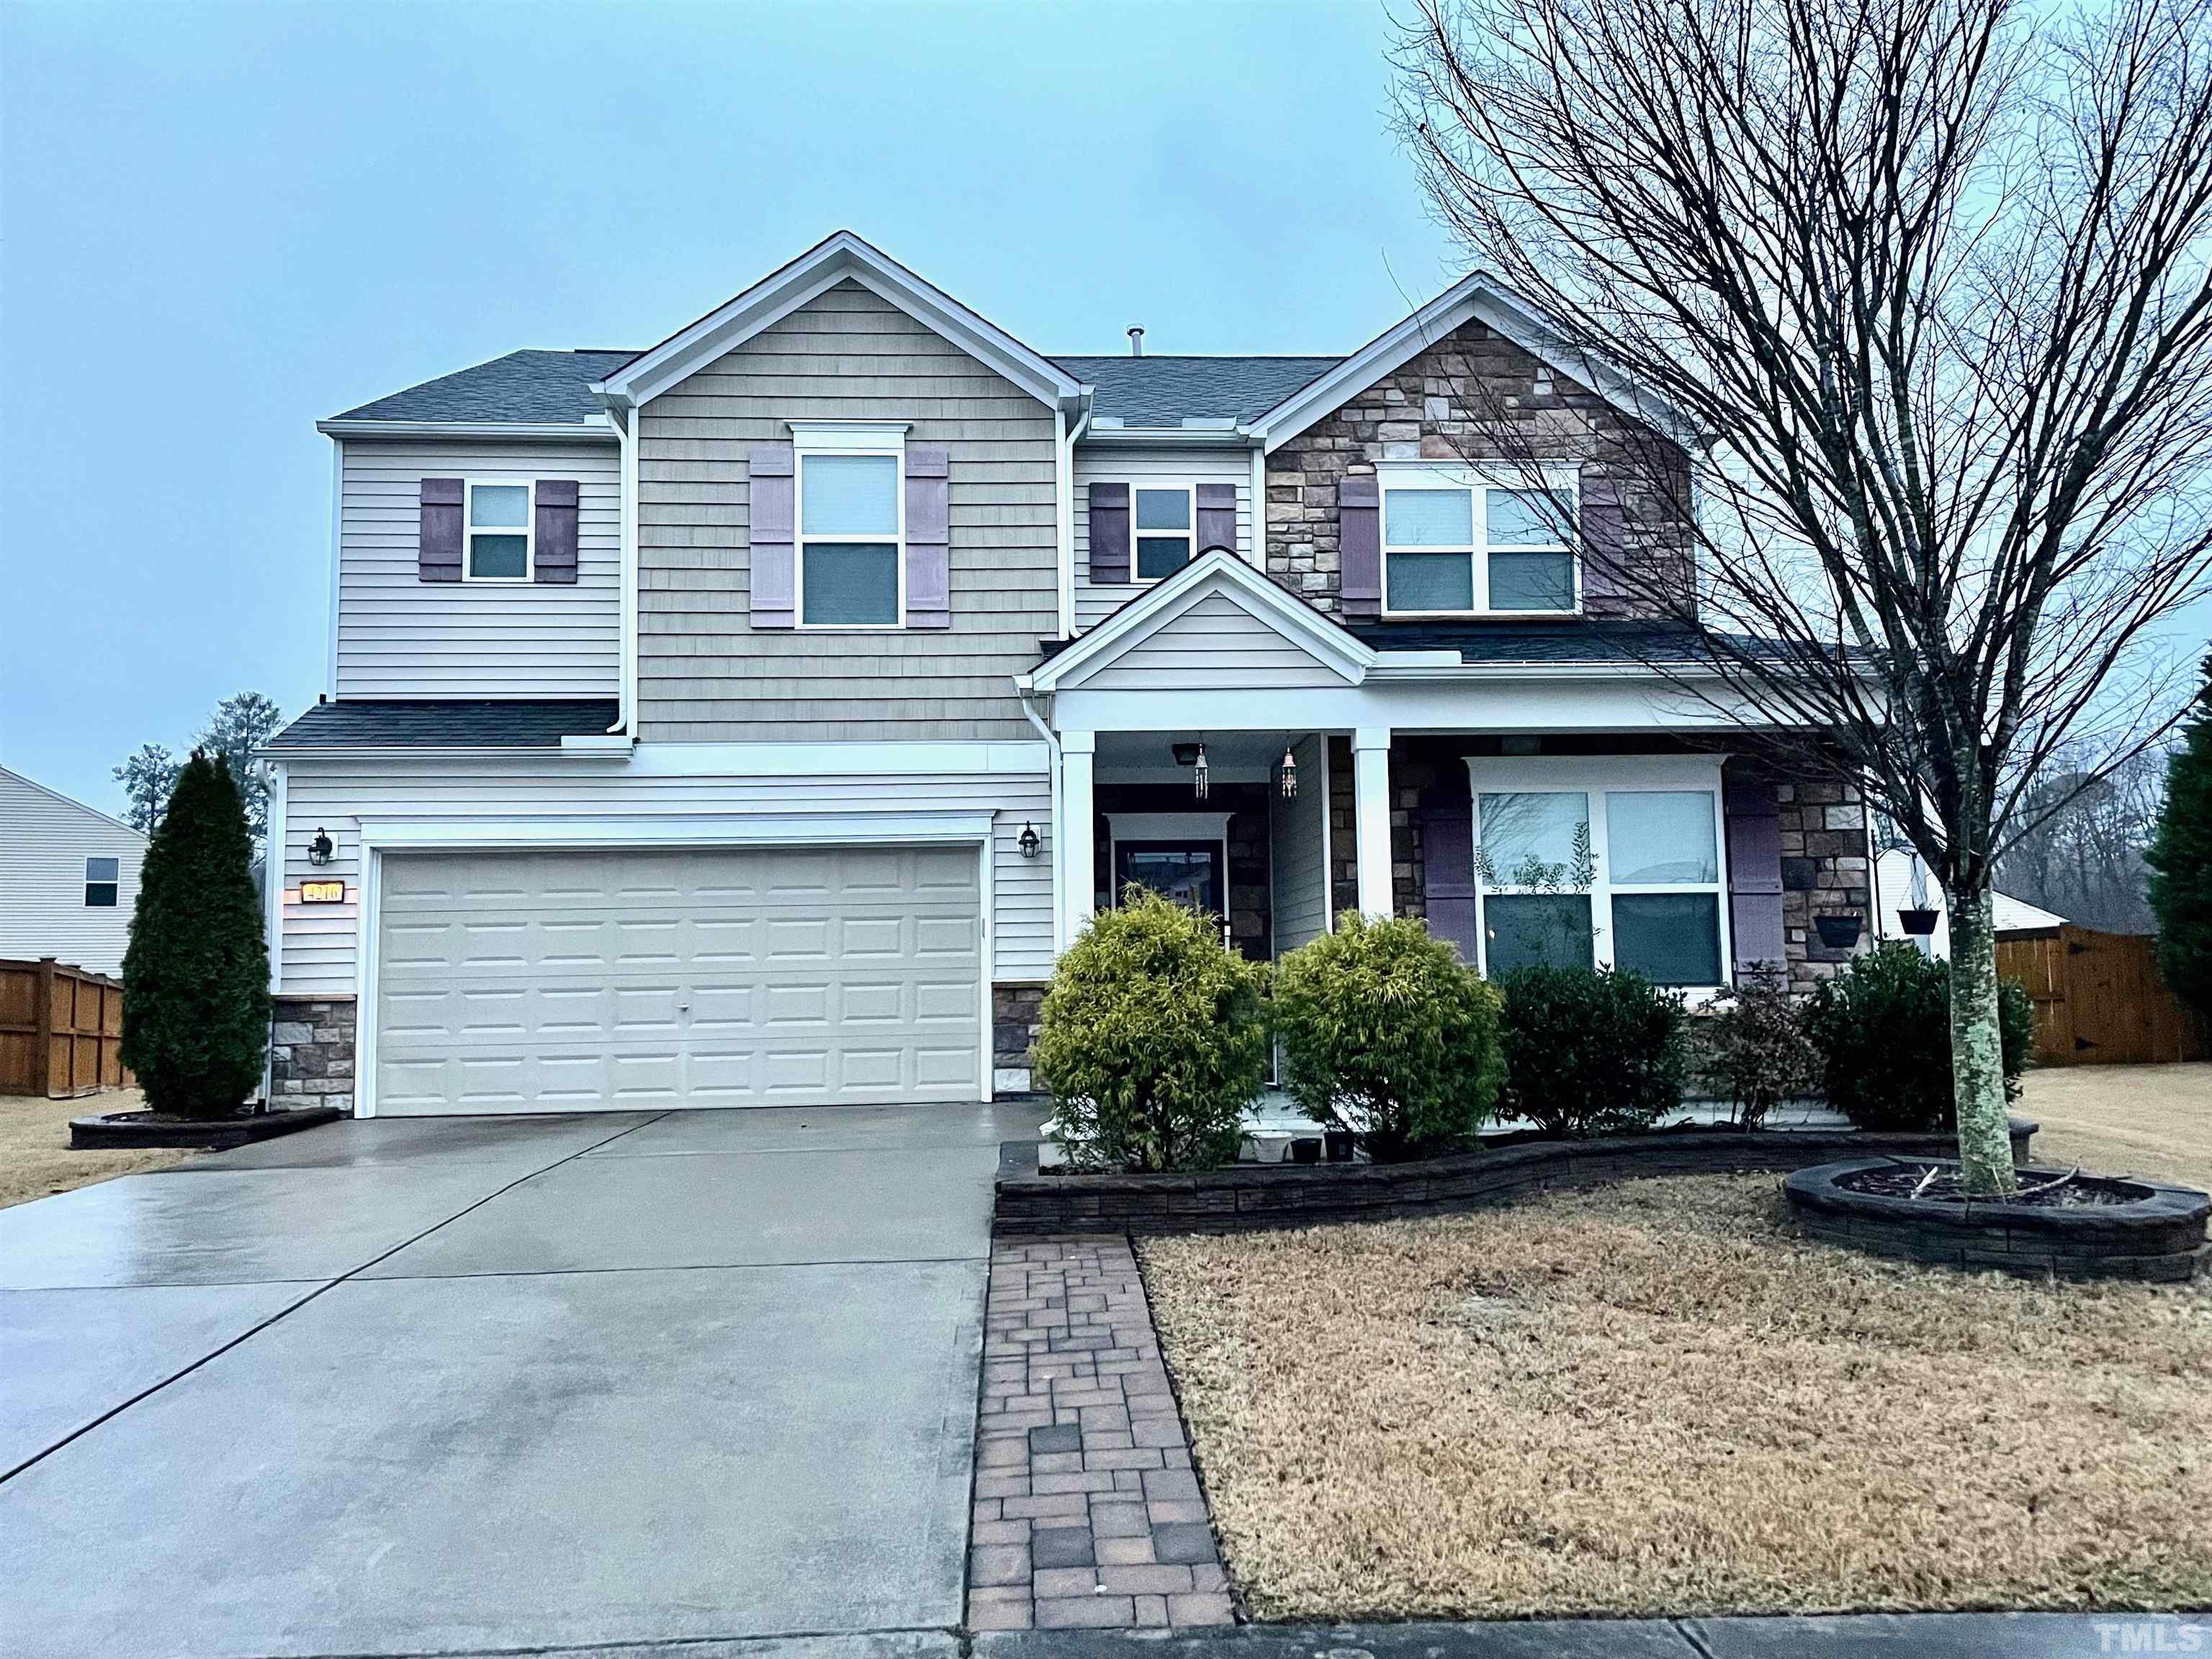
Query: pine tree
[195,976]
[2180,859]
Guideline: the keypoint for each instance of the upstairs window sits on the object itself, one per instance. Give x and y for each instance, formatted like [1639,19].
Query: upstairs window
[849,568]
[1458,547]
[100,880]
[499,532]
[1166,531]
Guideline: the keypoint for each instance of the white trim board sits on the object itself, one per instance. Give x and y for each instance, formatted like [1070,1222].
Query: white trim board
[842,257]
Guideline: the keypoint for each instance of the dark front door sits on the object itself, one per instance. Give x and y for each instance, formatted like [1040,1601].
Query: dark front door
[1188,871]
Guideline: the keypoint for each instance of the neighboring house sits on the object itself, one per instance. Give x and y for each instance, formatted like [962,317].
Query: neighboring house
[751,719]
[1893,882]
[69,878]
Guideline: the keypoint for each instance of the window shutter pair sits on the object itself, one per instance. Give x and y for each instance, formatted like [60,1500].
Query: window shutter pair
[1112,531]
[775,537]
[441,538]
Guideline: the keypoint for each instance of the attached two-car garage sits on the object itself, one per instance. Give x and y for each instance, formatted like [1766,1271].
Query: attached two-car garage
[525,980]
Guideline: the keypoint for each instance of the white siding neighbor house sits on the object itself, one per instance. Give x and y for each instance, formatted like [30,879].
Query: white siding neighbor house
[69,878]
[752,719]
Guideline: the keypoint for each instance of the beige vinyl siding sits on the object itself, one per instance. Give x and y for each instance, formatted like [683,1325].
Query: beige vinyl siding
[319,940]
[1217,643]
[1115,464]
[1298,840]
[704,675]
[44,839]
[399,636]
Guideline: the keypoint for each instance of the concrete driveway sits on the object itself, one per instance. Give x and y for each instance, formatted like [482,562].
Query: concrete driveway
[440,1386]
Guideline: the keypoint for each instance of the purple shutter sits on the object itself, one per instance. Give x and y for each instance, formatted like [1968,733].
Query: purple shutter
[1605,542]
[1359,546]
[1447,819]
[929,538]
[774,576]
[1109,533]
[438,541]
[1755,853]
[555,559]
[1217,517]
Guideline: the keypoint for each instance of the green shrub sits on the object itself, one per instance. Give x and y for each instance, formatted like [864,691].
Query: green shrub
[1752,1050]
[1151,1041]
[2180,860]
[1386,1033]
[1882,1030]
[1590,1053]
[196,975]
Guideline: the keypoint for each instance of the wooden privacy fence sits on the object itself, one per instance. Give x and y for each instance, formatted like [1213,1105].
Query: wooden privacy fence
[2098,999]
[61,1030]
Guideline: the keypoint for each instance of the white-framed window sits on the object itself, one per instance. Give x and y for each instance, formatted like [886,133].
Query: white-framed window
[102,880]
[1460,542]
[1163,529]
[851,515]
[501,531]
[1605,862]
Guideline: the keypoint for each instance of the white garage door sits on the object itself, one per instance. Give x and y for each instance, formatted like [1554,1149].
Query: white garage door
[524,982]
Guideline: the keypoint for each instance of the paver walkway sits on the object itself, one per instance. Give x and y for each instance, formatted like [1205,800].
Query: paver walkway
[1088,1511]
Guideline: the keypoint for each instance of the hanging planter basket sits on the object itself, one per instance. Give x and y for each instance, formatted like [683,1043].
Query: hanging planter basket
[1916,922]
[1839,932]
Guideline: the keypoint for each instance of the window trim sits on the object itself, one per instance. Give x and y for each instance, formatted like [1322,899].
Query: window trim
[470,530]
[810,440]
[113,884]
[1599,776]
[1434,475]
[1188,487]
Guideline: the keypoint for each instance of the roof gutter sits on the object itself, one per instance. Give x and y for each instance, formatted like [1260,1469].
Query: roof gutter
[595,431]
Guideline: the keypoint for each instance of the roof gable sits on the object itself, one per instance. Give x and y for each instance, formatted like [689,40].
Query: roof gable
[844,257]
[30,790]
[1191,602]
[1476,297]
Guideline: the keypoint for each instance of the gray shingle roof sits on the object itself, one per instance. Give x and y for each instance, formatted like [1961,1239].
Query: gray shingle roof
[1590,641]
[471,723]
[523,386]
[1166,391]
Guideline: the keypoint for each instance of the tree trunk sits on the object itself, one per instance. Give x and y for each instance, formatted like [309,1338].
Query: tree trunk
[1976,1047]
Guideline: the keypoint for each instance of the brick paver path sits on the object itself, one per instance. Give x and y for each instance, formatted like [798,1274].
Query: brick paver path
[1087,1508]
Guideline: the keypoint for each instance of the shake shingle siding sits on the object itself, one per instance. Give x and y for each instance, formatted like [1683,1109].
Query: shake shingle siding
[706,675]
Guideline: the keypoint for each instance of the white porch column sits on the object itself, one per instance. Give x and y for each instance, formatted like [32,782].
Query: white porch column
[1370,786]
[1078,753]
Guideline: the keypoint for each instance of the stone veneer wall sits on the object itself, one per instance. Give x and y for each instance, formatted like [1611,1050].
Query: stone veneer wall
[310,1055]
[1438,406]
[1017,1011]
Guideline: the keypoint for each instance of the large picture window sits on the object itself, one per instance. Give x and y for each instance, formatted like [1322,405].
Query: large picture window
[1601,863]
[1455,544]
[849,525]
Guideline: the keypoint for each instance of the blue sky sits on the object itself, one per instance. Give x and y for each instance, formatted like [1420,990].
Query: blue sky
[219,223]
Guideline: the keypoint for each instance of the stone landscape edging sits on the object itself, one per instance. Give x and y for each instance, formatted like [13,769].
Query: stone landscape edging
[2160,1237]
[1243,1196]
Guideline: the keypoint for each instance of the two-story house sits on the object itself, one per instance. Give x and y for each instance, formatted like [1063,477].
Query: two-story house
[751,719]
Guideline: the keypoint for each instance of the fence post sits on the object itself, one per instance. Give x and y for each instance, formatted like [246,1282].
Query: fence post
[42,1017]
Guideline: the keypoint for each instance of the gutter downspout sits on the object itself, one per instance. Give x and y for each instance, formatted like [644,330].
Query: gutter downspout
[1066,526]
[626,687]
[1052,777]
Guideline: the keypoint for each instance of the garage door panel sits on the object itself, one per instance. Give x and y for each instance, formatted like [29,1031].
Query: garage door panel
[524,982]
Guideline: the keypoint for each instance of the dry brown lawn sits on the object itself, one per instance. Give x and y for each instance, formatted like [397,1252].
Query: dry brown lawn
[35,1159]
[2125,1119]
[1655,1399]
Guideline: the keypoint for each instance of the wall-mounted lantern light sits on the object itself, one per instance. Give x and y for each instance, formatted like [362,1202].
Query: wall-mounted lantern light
[1289,776]
[319,849]
[1028,842]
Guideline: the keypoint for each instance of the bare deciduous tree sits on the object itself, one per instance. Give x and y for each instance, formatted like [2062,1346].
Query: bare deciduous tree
[1928,279]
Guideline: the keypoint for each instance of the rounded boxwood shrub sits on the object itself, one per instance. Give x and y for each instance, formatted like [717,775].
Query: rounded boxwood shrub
[1152,1039]
[1882,1030]
[1385,1032]
[1590,1053]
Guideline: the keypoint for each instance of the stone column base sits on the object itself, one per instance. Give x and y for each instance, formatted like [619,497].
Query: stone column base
[1016,1012]
[310,1053]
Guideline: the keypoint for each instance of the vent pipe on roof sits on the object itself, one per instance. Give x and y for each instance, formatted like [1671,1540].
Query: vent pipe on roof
[1137,340]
